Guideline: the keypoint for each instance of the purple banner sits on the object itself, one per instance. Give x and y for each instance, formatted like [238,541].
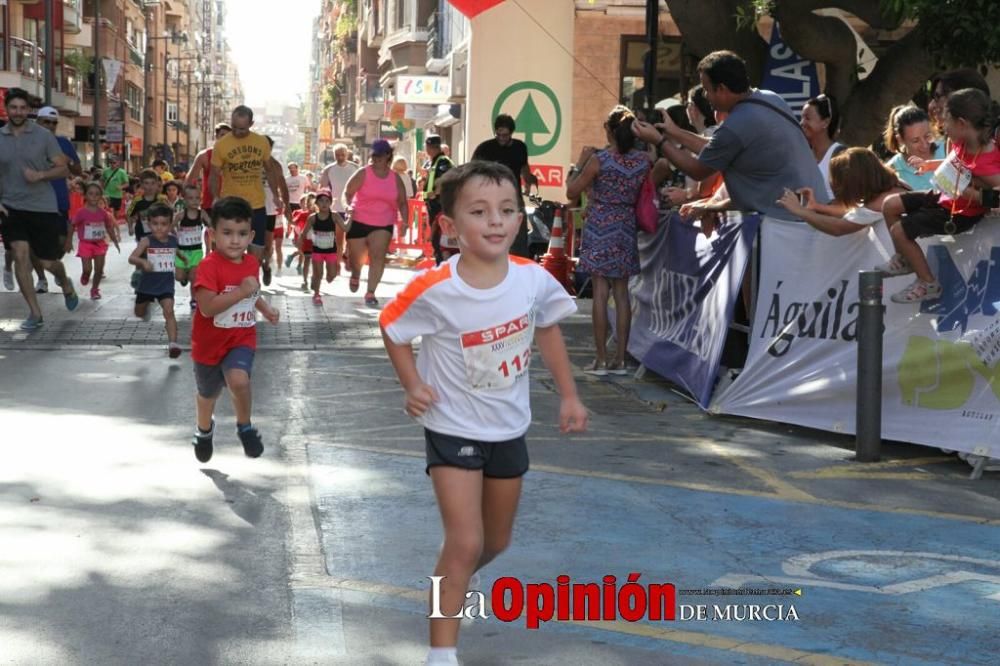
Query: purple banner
[683,298]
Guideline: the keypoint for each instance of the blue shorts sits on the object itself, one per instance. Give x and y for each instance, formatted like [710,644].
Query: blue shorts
[211,378]
[259,225]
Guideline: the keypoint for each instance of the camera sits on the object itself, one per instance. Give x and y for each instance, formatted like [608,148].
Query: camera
[991,198]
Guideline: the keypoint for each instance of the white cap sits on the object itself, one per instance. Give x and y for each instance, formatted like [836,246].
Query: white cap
[48,112]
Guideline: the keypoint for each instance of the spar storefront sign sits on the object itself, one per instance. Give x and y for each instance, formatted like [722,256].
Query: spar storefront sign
[941,368]
[532,81]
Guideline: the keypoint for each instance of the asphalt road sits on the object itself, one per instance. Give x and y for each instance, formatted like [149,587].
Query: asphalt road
[120,548]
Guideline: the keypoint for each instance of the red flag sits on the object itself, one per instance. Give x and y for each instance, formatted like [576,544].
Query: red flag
[37,12]
[472,8]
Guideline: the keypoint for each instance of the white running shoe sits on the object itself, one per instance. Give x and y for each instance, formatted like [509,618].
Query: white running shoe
[42,286]
[8,280]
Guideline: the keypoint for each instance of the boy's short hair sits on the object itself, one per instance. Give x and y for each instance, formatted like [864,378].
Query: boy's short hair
[455,179]
[191,187]
[231,208]
[162,163]
[149,174]
[160,210]
[172,183]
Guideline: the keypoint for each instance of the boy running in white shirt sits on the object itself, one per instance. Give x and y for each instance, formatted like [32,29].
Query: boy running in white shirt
[477,314]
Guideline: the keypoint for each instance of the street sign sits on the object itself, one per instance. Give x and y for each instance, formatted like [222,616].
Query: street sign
[423,89]
[115,133]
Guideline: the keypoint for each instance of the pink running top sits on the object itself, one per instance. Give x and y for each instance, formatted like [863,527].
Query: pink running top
[375,203]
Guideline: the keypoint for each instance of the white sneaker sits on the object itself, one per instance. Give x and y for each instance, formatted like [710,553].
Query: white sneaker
[8,280]
[442,657]
[42,286]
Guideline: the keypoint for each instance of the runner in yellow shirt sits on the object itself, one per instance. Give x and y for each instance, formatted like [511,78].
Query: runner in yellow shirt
[238,159]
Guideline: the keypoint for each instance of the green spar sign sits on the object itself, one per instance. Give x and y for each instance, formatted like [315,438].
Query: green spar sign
[530,120]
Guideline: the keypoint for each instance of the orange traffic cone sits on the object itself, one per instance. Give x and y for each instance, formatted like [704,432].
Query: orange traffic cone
[555,260]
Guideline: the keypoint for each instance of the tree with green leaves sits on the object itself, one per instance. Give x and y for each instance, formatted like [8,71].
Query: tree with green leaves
[922,37]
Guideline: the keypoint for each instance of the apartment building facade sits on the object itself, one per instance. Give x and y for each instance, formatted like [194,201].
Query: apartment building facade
[152,75]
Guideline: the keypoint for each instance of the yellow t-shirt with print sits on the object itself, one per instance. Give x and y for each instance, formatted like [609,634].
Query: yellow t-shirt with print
[241,162]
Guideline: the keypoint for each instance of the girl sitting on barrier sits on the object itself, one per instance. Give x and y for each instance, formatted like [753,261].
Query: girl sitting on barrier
[860,182]
[970,170]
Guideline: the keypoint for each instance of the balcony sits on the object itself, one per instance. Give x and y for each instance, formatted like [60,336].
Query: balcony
[406,47]
[23,66]
[371,100]
[72,16]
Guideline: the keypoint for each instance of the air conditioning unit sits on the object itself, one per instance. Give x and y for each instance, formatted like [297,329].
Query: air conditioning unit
[458,72]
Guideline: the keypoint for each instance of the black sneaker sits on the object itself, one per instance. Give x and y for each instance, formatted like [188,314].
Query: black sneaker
[250,439]
[203,444]
[266,270]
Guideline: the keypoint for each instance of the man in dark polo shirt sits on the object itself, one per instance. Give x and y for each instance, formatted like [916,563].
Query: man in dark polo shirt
[30,157]
[512,153]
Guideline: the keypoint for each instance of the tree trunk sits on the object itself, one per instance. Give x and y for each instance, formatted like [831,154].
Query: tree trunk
[710,25]
[898,75]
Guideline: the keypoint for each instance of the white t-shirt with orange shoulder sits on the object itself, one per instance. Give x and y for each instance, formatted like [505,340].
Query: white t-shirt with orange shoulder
[476,344]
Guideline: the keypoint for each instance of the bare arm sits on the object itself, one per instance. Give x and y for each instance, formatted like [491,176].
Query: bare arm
[661,169]
[192,175]
[419,395]
[401,203]
[529,178]
[353,185]
[270,312]
[572,413]
[819,219]
[136,257]
[586,171]
[215,181]
[279,188]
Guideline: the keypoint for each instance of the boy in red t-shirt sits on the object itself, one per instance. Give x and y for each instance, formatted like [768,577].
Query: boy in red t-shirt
[223,335]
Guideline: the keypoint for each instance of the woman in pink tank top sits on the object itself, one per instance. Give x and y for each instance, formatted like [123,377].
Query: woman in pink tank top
[377,199]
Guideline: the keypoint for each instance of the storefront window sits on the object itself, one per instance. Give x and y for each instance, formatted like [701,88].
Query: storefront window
[669,74]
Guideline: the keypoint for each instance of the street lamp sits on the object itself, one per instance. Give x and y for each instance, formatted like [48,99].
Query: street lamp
[175,37]
[177,97]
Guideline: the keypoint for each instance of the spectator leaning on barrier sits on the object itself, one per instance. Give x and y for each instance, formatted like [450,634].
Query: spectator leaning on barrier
[760,148]
[820,123]
[908,134]
[860,183]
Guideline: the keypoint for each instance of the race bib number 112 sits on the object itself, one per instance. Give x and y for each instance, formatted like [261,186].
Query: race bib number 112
[496,357]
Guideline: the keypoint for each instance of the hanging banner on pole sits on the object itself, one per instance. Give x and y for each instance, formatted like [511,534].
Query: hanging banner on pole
[788,74]
[112,68]
[683,298]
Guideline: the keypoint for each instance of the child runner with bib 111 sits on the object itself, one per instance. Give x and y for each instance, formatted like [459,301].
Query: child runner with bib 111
[94,224]
[322,227]
[477,315]
[956,203]
[224,333]
[189,225]
[154,256]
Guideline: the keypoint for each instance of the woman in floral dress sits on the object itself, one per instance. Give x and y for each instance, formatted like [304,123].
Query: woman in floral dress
[609,250]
